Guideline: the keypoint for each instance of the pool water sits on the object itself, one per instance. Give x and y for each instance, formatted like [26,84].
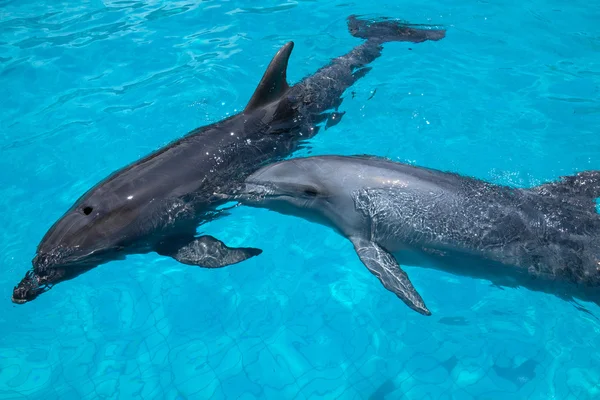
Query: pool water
[511,95]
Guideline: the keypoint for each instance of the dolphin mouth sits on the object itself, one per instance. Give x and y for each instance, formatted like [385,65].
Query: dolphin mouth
[255,193]
[257,190]
[47,270]
[50,268]
[248,192]
[29,288]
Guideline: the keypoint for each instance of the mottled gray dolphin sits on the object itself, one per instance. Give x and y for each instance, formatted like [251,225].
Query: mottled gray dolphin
[545,238]
[157,203]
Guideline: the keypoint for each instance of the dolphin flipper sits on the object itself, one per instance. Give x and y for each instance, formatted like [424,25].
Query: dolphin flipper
[205,251]
[384,266]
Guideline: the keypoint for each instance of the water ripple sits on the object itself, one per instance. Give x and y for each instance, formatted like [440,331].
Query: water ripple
[14,144]
[264,10]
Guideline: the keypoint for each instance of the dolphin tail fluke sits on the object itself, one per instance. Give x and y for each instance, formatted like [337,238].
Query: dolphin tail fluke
[581,186]
[389,30]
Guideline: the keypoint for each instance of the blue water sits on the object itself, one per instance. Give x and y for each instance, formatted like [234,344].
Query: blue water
[511,95]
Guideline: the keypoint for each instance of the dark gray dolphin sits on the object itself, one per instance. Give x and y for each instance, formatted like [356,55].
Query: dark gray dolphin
[545,238]
[156,203]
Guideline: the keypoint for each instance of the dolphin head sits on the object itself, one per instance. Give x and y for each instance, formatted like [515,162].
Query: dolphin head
[91,233]
[316,189]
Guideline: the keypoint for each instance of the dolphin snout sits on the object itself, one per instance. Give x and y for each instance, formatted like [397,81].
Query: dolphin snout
[39,279]
[253,192]
[244,193]
[28,289]
[41,260]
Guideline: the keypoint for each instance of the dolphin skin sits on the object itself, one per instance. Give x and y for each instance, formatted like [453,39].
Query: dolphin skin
[545,238]
[157,203]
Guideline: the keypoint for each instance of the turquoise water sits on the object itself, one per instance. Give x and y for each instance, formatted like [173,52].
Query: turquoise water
[511,95]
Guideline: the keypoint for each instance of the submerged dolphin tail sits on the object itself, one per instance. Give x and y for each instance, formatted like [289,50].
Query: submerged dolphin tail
[388,30]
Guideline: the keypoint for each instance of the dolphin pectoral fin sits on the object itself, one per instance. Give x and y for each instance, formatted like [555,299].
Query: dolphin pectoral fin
[384,266]
[360,73]
[206,251]
[333,119]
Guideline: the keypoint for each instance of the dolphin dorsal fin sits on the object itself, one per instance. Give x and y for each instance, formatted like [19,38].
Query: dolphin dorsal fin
[273,83]
[582,188]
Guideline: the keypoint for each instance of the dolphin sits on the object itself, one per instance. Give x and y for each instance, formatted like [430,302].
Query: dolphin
[156,204]
[545,238]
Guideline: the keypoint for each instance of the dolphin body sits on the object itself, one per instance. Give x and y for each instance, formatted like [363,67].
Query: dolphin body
[156,203]
[545,238]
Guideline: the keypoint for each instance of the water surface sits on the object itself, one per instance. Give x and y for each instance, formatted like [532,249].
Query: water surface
[511,95]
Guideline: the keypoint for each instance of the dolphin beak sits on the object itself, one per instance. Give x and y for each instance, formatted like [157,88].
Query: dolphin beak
[245,193]
[253,192]
[28,289]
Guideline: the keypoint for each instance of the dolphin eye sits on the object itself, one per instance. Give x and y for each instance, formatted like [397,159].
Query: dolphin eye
[88,210]
[312,192]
